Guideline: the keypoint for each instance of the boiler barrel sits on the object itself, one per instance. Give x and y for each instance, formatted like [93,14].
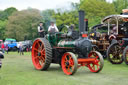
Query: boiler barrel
[66,44]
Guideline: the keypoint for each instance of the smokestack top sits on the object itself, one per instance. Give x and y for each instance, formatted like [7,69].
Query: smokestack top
[81,21]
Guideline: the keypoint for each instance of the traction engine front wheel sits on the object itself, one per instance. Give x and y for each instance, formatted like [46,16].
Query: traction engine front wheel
[97,65]
[69,63]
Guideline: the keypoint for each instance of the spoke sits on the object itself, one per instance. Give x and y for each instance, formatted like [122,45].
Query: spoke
[42,63]
[97,64]
[97,61]
[36,49]
[43,58]
[93,67]
[97,57]
[43,51]
[38,44]
[66,58]
[68,68]
[41,47]
[38,63]
[70,57]
[36,58]
[71,63]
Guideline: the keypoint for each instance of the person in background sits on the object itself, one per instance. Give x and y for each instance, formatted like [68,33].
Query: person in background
[41,30]
[1,57]
[21,49]
[18,45]
[2,46]
[6,48]
[52,28]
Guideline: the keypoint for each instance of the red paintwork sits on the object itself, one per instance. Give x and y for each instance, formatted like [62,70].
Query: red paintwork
[67,69]
[84,35]
[38,61]
[91,63]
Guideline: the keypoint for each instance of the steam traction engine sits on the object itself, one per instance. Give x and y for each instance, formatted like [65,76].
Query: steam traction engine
[70,53]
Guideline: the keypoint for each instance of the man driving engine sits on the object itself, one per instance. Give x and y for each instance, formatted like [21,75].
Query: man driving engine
[52,28]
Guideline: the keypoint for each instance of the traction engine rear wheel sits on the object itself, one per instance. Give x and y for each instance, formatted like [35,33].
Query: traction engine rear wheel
[115,53]
[41,54]
[97,65]
[69,63]
[125,55]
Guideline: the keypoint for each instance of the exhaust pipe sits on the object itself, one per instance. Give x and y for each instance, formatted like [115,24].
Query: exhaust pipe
[81,22]
[83,25]
[86,25]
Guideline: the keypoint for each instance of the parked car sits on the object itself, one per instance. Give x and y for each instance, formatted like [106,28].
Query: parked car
[26,45]
[12,44]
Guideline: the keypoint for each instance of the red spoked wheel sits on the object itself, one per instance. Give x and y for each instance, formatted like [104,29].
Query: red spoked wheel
[125,55]
[41,54]
[69,63]
[97,65]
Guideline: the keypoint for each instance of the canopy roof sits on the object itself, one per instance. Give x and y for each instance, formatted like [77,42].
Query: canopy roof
[114,18]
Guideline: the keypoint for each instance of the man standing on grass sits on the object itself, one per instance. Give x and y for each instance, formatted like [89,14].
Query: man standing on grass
[2,47]
[21,49]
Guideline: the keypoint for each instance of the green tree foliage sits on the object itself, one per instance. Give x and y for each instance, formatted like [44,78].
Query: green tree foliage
[2,28]
[7,12]
[96,10]
[66,18]
[47,17]
[3,20]
[120,4]
[23,24]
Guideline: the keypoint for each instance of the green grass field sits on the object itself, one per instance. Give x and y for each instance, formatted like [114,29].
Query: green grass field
[19,70]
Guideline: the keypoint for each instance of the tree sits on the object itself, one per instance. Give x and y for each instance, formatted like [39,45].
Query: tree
[96,10]
[7,12]
[120,4]
[2,28]
[66,18]
[47,17]
[23,24]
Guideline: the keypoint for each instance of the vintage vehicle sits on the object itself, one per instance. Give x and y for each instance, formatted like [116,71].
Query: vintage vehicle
[1,57]
[117,51]
[12,44]
[112,29]
[25,44]
[100,38]
[63,49]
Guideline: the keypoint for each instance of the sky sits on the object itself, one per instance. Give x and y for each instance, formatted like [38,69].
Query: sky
[38,4]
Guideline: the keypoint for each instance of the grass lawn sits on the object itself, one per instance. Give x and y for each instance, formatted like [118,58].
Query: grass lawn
[19,70]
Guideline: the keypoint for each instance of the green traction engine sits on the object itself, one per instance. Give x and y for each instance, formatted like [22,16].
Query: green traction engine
[71,50]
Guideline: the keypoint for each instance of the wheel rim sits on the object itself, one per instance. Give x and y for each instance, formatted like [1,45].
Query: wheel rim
[115,54]
[95,66]
[38,54]
[67,64]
